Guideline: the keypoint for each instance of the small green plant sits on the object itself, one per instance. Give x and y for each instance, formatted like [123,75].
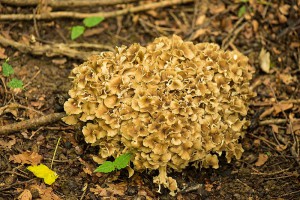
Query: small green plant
[89,22]
[119,163]
[242,11]
[7,70]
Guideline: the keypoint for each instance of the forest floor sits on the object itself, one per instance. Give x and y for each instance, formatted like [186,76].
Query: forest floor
[36,37]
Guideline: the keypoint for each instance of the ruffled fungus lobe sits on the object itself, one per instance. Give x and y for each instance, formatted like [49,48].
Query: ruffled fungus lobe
[169,103]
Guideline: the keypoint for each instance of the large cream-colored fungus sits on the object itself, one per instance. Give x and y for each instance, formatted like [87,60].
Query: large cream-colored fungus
[169,103]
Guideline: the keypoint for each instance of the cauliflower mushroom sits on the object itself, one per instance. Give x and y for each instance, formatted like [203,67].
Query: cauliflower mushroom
[169,104]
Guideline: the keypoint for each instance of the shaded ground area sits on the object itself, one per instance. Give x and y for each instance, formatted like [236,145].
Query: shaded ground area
[266,31]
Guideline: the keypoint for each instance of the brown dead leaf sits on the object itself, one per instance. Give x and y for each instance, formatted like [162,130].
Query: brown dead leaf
[59,61]
[111,190]
[8,144]
[25,195]
[287,78]
[45,193]
[281,147]
[264,60]
[262,159]
[10,108]
[255,25]
[199,32]
[93,31]
[200,19]
[216,7]
[295,44]
[282,18]
[27,157]
[2,53]
[208,187]
[266,113]
[284,9]
[275,128]
[280,107]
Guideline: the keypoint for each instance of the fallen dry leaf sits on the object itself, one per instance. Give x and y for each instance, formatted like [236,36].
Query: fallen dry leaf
[255,25]
[111,190]
[25,195]
[287,78]
[216,7]
[275,128]
[264,60]
[266,113]
[27,157]
[2,53]
[262,159]
[42,171]
[200,20]
[280,107]
[284,9]
[281,147]
[59,61]
[9,144]
[199,32]
[45,193]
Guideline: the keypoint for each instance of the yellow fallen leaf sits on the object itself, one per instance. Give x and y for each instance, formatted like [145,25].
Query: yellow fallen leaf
[264,60]
[42,171]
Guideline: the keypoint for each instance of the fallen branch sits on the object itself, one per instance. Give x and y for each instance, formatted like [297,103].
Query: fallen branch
[66,14]
[275,121]
[295,101]
[51,50]
[31,123]
[66,3]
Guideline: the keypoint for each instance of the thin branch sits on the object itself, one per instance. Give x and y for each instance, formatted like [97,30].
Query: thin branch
[49,50]
[275,121]
[66,14]
[66,3]
[295,101]
[31,123]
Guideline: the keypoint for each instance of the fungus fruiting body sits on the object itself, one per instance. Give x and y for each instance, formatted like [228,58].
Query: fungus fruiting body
[168,104]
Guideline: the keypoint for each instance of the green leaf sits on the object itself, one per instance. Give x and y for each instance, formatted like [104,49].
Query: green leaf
[106,167]
[122,161]
[244,1]
[15,83]
[7,69]
[242,11]
[92,21]
[77,31]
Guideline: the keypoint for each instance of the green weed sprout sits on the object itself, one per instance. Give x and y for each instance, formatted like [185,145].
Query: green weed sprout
[119,163]
[88,22]
[7,70]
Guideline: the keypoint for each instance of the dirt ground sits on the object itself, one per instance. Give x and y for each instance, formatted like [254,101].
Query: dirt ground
[268,32]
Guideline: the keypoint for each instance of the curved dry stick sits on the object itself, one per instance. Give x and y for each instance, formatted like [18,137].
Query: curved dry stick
[31,123]
[49,50]
[66,3]
[66,14]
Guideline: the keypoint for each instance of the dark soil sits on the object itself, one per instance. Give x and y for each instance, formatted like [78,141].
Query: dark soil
[270,165]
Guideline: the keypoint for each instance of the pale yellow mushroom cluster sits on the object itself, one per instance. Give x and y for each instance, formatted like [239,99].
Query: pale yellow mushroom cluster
[169,104]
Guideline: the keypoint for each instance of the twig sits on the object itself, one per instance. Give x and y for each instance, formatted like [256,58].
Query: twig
[55,152]
[66,14]
[271,173]
[88,45]
[84,190]
[234,36]
[274,121]
[295,101]
[66,3]
[49,50]
[31,123]
[34,76]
